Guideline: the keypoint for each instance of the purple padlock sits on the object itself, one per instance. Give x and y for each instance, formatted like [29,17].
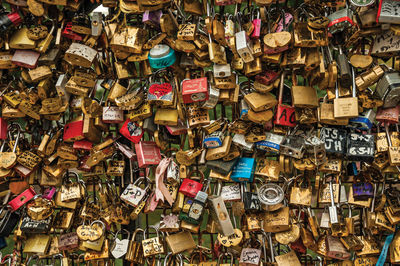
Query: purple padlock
[49,193]
[152,18]
[363,190]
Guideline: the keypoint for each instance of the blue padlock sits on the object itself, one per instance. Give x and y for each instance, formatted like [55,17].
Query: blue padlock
[364,121]
[243,171]
[161,56]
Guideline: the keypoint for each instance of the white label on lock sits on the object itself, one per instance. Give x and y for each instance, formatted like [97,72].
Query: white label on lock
[132,195]
[231,193]
[120,248]
[112,113]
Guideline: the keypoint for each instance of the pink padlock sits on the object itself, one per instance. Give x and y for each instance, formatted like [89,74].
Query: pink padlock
[288,20]
[257,26]
[22,199]
[49,193]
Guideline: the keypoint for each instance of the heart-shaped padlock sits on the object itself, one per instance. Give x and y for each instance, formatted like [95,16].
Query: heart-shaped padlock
[120,246]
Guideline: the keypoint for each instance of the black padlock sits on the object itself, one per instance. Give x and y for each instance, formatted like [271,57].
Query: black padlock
[221,166]
[250,200]
[335,140]
[360,147]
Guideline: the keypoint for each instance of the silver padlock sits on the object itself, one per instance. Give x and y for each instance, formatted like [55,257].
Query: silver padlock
[222,71]
[317,147]
[240,141]
[220,213]
[324,222]
[60,87]
[272,142]
[388,89]
[293,145]
[213,93]
[389,12]
[243,44]
[340,20]
[97,23]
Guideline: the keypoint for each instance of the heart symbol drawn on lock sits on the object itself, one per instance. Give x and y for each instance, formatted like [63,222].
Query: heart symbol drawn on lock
[232,240]
[120,248]
[160,90]
[7,159]
[89,232]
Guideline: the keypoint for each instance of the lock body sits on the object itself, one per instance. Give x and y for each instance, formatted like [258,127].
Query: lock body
[335,140]
[360,147]
[243,46]
[388,89]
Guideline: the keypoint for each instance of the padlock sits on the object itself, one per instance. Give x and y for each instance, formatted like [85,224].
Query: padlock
[135,249]
[317,147]
[154,245]
[360,147]
[340,20]
[242,42]
[161,56]
[195,90]
[220,213]
[197,207]
[346,107]
[387,89]
[335,140]
[243,171]
[293,145]
[285,115]
[335,248]
[257,25]
[387,12]
[97,23]
[25,58]
[271,143]
[221,71]
[364,121]
[80,55]
[10,20]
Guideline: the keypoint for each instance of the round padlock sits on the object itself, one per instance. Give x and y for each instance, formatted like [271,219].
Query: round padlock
[161,56]
[270,194]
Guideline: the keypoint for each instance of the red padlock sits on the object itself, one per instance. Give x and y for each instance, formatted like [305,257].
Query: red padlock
[3,128]
[267,77]
[285,115]
[195,90]
[83,166]
[83,145]
[73,131]
[131,131]
[388,115]
[190,187]
[22,199]
[68,33]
